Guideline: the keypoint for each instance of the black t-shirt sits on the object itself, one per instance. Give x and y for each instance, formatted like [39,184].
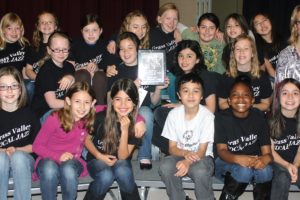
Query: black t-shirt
[35,56]
[99,134]
[18,128]
[14,55]
[243,136]
[288,143]
[47,80]
[159,40]
[83,53]
[261,86]
[130,72]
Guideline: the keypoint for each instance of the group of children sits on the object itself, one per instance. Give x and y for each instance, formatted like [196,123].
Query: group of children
[53,92]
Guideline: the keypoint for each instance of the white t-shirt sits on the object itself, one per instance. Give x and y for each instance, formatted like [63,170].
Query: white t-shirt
[189,134]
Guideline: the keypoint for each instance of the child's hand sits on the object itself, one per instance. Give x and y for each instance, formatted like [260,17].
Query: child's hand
[183,168]
[91,67]
[66,156]
[10,150]
[108,159]
[247,161]
[165,85]
[66,82]
[192,157]
[138,82]
[219,36]
[111,47]
[111,71]
[293,170]
[171,105]
[125,122]
[139,129]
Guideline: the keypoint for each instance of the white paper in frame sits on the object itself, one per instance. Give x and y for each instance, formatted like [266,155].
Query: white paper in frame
[152,67]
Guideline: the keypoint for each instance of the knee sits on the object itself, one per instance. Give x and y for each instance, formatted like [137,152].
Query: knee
[105,176]
[19,158]
[70,170]
[47,169]
[147,113]
[4,162]
[83,75]
[264,175]
[99,77]
[167,167]
[123,170]
[242,174]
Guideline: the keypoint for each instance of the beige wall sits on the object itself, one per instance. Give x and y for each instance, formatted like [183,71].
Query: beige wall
[188,9]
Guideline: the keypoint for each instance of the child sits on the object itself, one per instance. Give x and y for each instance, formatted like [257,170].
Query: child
[113,142]
[189,59]
[54,77]
[128,43]
[89,54]
[60,142]
[190,130]
[13,44]
[19,127]
[243,145]
[243,61]
[45,25]
[208,26]
[284,129]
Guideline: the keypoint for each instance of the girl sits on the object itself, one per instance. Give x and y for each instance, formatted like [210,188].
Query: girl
[19,127]
[49,93]
[113,142]
[243,146]
[284,129]
[13,44]
[288,64]
[88,54]
[60,142]
[45,25]
[268,39]
[243,61]
[128,43]
[189,59]
[208,26]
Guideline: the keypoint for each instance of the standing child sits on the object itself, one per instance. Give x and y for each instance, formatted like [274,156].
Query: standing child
[190,130]
[19,127]
[89,54]
[113,142]
[243,145]
[284,129]
[128,44]
[45,25]
[54,77]
[244,61]
[60,142]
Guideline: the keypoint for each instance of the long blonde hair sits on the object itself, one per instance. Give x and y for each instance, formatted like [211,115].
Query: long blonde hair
[293,25]
[255,69]
[7,20]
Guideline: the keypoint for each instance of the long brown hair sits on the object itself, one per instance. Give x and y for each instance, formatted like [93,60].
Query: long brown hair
[293,26]
[111,122]
[65,116]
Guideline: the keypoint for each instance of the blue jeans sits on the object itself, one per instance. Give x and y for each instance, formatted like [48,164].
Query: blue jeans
[281,182]
[145,148]
[66,173]
[105,175]
[29,84]
[19,166]
[243,174]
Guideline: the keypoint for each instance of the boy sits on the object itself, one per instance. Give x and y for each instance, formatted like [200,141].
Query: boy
[190,130]
[243,145]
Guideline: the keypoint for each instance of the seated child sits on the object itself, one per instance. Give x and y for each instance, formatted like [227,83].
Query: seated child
[243,145]
[190,142]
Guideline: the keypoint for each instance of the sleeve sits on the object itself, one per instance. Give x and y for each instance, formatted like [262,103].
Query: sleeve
[169,127]
[45,134]
[209,130]
[187,34]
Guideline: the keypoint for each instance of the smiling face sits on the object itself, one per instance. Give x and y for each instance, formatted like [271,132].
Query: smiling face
[91,33]
[122,104]
[80,104]
[207,31]
[9,95]
[128,52]
[47,24]
[240,100]
[138,26]
[243,53]
[289,99]
[187,59]
[12,33]
[190,94]
[262,25]
[61,45]
[168,20]
[233,28]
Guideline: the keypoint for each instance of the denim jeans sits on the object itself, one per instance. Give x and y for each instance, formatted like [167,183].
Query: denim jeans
[281,182]
[66,173]
[29,84]
[200,172]
[105,175]
[19,166]
[145,148]
[243,174]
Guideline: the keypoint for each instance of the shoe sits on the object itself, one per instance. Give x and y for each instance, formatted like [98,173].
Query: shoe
[146,166]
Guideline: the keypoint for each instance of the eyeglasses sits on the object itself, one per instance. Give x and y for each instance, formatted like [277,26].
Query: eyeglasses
[7,87]
[261,22]
[48,23]
[59,50]
[297,22]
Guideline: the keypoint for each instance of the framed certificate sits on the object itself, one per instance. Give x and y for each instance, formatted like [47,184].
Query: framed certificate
[152,67]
